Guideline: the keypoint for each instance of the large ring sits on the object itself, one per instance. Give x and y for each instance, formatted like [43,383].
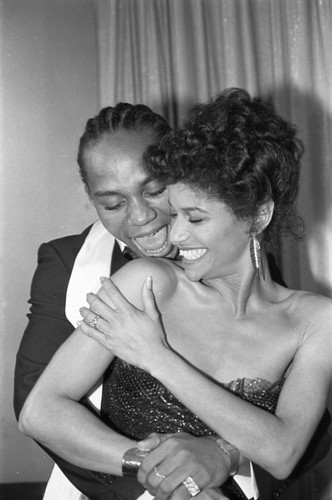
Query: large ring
[158,474]
[93,320]
[191,486]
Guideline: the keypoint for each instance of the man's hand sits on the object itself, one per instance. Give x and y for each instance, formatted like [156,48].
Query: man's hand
[178,456]
[210,494]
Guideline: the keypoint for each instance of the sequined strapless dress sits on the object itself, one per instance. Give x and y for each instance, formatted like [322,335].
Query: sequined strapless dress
[138,404]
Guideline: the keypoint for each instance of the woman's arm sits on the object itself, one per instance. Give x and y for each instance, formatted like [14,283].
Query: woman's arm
[275,442]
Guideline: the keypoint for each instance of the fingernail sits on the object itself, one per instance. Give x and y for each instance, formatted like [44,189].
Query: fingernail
[103,278]
[149,282]
[78,323]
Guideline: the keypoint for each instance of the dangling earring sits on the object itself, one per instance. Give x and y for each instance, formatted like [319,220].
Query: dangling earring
[256,256]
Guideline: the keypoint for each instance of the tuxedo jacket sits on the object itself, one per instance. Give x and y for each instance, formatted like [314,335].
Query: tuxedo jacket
[48,328]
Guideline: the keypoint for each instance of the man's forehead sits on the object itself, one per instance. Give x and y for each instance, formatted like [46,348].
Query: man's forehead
[122,186]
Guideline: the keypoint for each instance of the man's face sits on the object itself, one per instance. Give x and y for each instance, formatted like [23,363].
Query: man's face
[131,206]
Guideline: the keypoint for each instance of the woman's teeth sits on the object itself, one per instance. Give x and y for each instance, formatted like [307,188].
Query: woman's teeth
[193,254]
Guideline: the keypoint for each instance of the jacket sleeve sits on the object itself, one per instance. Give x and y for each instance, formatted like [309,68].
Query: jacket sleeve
[47,329]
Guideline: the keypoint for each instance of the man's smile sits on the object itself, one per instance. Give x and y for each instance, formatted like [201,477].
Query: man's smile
[154,243]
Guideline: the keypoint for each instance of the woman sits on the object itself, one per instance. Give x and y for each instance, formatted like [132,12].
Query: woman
[242,353]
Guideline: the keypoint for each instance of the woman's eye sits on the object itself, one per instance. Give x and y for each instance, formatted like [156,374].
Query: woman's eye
[173,215]
[195,221]
[157,193]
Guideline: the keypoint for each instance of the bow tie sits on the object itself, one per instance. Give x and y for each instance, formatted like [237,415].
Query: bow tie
[120,258]
[128,253]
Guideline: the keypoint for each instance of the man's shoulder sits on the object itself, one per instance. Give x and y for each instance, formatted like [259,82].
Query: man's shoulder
[72,241]
[62,250]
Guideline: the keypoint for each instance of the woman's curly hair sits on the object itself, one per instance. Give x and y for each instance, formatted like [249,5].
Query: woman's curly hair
[235,149]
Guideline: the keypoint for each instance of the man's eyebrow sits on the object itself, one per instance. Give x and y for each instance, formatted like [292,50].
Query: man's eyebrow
[101,194]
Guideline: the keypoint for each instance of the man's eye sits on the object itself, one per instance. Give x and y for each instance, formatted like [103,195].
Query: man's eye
[113,207]
[157,193]
[195,221]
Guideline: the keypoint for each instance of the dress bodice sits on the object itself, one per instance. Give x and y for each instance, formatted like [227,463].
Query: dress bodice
[138,404]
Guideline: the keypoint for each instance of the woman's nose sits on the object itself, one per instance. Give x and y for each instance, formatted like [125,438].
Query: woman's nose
[178,234]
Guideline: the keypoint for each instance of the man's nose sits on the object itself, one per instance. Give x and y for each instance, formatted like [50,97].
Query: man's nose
[141,213]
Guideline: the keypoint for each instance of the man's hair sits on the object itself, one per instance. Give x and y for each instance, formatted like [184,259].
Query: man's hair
[124,116]
[238,150]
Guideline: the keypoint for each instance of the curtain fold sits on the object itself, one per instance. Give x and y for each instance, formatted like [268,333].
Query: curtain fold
[170,54]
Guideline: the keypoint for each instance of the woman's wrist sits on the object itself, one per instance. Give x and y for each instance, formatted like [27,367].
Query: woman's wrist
[159,364]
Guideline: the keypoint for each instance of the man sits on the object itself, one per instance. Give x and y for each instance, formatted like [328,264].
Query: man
[133,211]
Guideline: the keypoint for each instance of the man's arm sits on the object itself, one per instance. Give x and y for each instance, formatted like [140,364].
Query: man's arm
[47,329]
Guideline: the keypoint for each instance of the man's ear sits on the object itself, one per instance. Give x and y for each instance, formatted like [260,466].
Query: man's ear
[87,190]
[264,216]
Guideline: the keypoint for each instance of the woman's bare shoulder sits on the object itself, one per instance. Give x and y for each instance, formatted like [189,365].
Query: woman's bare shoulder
[312,300]
[132,277]
[315,310]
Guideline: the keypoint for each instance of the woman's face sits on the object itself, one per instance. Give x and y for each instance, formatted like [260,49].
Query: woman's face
[213,243]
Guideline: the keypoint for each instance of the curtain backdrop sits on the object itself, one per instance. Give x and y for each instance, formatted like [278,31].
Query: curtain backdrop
[170,54]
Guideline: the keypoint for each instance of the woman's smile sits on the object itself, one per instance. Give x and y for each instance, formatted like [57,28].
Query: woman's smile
[193,253]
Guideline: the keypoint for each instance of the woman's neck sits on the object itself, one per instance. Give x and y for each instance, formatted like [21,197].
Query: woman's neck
[243,291]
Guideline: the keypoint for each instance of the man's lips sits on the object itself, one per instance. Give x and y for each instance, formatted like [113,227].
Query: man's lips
[153,243]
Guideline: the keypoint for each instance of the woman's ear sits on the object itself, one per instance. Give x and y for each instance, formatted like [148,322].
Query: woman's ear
[264,216]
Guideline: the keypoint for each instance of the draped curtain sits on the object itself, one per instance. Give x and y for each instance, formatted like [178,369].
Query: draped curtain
[170,54]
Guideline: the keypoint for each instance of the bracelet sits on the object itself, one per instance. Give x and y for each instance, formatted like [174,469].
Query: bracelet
[131,461]
[229,450]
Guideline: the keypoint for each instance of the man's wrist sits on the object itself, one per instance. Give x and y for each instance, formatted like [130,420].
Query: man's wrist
[230,451]
[131,461]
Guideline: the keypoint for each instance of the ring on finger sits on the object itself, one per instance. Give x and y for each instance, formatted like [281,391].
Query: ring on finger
[191,486]
[93,321]
[158,474]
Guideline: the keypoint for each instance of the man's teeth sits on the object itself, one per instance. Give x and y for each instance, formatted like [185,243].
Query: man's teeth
[149,242]
[193,254]
[153,234]
[152,252]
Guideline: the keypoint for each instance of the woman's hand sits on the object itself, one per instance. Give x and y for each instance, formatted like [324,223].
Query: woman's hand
[135,336]
[178,456]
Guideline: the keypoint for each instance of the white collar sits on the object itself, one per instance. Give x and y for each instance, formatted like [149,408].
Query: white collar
[92,261]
